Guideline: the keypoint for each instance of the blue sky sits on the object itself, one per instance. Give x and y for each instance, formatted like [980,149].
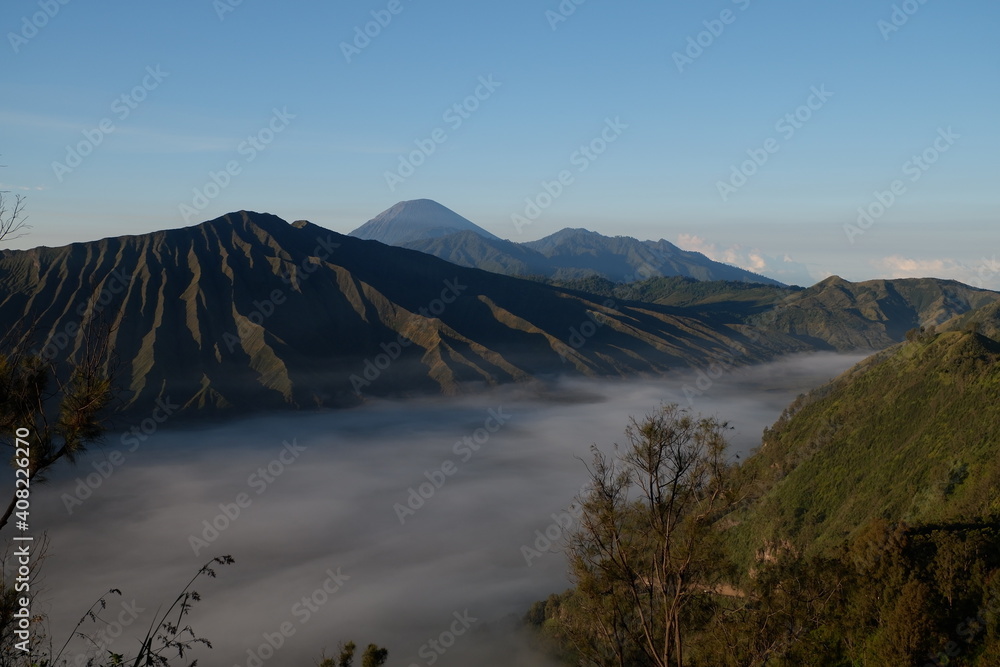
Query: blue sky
[202,77]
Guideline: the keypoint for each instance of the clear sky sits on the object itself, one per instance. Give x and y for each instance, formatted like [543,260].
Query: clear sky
[114,113]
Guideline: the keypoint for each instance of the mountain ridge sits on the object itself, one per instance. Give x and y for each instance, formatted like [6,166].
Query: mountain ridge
[248,312]
[569,253]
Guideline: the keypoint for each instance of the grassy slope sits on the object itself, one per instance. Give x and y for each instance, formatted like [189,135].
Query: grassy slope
[986,320]
[912,433]
[834,314]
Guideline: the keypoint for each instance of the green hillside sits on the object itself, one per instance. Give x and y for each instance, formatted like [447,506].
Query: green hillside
[911,434]
[872,314]
[985,320]
[834,314]
[864,532]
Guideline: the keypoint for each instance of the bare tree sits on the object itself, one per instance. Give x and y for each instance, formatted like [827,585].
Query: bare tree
[13,221]
[63,412]
[644,555]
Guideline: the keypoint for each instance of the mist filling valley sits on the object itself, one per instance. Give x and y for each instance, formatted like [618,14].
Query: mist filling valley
[425,526]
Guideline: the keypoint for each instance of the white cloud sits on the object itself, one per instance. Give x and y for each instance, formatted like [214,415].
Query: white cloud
[696,244]
[904,267]
[985,273]
[782,268]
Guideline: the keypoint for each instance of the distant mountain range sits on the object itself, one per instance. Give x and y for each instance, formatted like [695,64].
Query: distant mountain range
[833,314]
[248,312]
[434,229]
[876,313]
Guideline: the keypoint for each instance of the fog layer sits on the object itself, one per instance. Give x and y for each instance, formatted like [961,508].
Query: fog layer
[416,525]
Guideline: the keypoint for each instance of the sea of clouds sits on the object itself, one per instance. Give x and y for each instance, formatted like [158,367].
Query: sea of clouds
[419,525]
